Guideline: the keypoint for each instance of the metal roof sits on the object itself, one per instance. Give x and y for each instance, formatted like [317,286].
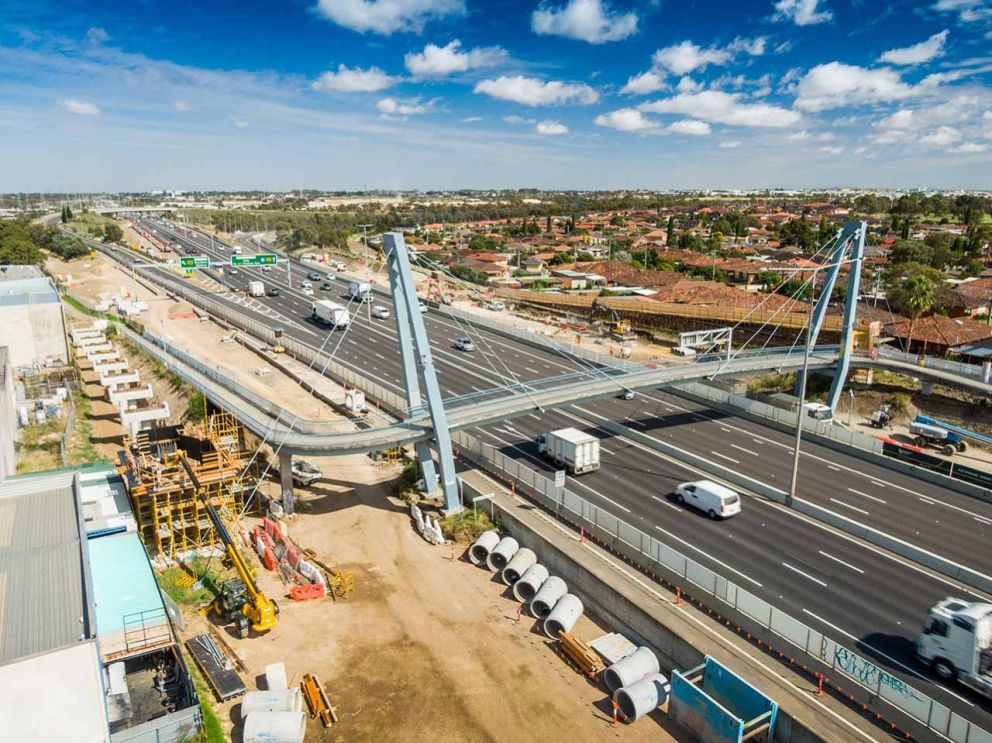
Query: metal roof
[45,589]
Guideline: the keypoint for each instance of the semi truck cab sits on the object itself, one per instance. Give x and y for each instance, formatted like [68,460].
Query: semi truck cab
[956,643]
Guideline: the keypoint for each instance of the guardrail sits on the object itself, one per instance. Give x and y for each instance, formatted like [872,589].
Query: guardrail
[657,557]
[934,362]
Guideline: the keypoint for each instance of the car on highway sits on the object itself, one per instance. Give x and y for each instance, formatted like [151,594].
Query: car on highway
[272,292]
[329,276]
[326,286]
[379,312]
[423,307]
[307,290]
[464,343]
[715,500]
[626,395]
[232,271]
[313,276]
[267,269]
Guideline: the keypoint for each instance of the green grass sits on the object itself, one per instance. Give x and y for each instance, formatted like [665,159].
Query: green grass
[773,383]
[77,305]
[169,581]
[213,729]
[466,526]
[40,445]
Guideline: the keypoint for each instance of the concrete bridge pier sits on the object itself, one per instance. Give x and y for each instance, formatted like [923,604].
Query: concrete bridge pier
[286,482]
[926,388]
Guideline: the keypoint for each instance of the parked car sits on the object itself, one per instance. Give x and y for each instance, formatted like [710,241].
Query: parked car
[713,499]
[379,312]
[464,343]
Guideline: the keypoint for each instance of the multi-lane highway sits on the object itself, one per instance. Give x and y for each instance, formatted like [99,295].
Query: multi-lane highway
[852,591]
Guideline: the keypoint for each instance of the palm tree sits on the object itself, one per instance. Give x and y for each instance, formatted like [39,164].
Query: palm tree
[914,296]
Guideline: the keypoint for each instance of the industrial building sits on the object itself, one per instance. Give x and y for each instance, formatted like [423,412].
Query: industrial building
[32,325]
[8,463]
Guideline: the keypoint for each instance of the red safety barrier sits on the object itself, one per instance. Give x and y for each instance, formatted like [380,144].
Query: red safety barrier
[306,592]
[269,559]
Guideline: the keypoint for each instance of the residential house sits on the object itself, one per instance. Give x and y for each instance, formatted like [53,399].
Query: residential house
[936,334]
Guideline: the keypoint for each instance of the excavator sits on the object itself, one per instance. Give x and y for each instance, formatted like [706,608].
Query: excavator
[240,602]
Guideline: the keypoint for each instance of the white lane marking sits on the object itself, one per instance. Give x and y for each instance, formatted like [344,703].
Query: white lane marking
[865,495]
[835,469]
[837,559]
[758,441]
[723,456]
[632,421]
[605,450]
[663,501]
[718,562]
[889,658]
[380,357]
[981,521]
[927,501]
[725,430]
[531,370]
[878,484]
[741,448]
[535,417]
[848,505]
[804,575]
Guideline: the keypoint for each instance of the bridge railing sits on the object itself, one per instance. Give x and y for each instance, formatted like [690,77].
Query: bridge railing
[658,557]
[934,362]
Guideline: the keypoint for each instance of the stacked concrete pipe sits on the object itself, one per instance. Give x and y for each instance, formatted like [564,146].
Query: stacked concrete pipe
[642,697]
[478,553]
[502,553]
[563,616]
[530,583]
[521,562]
[547,596]
[630,669]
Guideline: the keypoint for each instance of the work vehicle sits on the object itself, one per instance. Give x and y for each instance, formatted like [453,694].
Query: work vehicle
[464,343]
[360,290]
[928,434]
[712,498]
[882,418]
[956,643]
[304,473]
[379,312]
[240,601]
[575,450]
[330,313]
[496,305]
[273,292]
[957,436]
[256,289]
[339,266]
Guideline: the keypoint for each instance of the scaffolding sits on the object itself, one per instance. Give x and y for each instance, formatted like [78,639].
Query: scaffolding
[172,521]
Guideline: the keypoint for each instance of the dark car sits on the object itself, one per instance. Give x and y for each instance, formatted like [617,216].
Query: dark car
[326,286]
[273,292]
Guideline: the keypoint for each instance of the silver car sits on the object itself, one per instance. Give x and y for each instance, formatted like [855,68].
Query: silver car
[463,343]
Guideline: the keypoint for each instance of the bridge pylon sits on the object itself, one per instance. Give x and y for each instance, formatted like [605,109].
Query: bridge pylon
[419,374]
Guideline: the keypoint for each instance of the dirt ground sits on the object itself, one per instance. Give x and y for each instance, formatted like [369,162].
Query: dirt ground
[427,648]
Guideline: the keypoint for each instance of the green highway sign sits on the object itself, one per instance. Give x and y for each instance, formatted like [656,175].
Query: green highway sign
[191,262]
[259,259]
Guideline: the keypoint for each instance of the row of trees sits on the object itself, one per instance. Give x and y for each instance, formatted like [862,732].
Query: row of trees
[23,243]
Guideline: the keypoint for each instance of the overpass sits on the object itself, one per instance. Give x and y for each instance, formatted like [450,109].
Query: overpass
[108,211]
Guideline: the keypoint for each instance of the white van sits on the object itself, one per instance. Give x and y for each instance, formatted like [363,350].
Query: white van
[713,499]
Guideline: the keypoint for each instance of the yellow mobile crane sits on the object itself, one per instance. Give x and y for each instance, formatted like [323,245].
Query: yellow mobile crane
[240,602]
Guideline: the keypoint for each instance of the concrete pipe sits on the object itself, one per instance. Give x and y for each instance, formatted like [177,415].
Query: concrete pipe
[479,552]
[520,564]
[564,616]
[642,662]
[502,553]
[642,697]
[275,727]
[547,596]
[276,700]
[529,583]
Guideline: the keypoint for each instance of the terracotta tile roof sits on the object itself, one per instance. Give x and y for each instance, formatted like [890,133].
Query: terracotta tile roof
[942,331]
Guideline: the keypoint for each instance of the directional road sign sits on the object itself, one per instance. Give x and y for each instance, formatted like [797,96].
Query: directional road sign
[259,259]
[190,262]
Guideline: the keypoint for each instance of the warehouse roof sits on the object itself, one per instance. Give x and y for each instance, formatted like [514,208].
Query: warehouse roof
[45,587]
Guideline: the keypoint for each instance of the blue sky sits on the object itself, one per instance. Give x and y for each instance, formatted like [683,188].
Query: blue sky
[434,94]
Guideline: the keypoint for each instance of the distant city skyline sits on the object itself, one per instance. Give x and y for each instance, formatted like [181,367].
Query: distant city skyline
[452,94]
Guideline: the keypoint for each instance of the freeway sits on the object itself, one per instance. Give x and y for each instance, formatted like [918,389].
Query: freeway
[833,582]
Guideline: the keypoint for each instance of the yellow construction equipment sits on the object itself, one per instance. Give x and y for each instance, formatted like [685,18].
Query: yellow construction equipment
[240,602]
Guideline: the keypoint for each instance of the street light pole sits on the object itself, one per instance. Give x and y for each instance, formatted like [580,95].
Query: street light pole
[365,235]
[790,497]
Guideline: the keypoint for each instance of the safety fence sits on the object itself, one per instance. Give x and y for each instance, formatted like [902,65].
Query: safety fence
[657,557]
[934,362]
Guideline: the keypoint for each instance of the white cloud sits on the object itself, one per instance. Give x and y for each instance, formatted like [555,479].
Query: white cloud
[861,150]
[399,107]
[533,92]
[725,108]
[917,53]
[969,148]
[551,128]
[969,11]
[688,85]
[646,82]
[180,106]
[690,126]
[471,119]
[801,12]
[798,136]
[626,120]
[956,110]
[836,84]
[730,144]
[387,16]
[97,35]
[825,137]
[942,136]
[514,119]
[832,150]
[685,57]
[354,80]
[437,61]
[585,20]
[755,47]
[80,108]
[240,123]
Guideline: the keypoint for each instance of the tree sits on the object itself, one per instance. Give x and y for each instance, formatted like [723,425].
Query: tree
[911,251]
[547,225]
[68,213]
[671,231]
[797,232]
[913,295]
[112,233]
[65,217]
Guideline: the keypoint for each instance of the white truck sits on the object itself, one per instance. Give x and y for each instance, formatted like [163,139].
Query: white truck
[360,290]
[957,643]
[256,289]
[576,451]
[330,313]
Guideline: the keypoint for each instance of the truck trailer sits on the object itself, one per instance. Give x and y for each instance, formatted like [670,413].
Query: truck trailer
[360,291]
[571,448]
[330,313]
[256,289]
